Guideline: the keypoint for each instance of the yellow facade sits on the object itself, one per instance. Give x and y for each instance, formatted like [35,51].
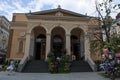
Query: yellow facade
[70,28]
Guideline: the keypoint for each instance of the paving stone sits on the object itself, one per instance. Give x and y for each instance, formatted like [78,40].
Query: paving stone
[48,76]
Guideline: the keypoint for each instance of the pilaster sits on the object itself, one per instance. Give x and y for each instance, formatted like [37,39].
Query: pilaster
[87,46]
[68,44]
[27,45]
[48,40]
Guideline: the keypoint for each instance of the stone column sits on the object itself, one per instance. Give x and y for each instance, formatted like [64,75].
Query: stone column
[27,45]
[32,47]
[48,42]
[87,46]
[68,44]
[82,45]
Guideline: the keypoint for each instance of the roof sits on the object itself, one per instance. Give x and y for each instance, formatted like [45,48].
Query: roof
[4,18]
[57,10]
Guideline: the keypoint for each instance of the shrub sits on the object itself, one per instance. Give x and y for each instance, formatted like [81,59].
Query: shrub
[51,67]
[63,65]
[51,61]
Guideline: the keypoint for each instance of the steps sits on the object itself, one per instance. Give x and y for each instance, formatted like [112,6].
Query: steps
[36,66]
[80,66]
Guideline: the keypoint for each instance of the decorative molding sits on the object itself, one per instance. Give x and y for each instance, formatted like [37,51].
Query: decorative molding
[59,14]
[54,18]
[40,24]
[19,39]
[28,33]
[68,34]
[23,28]
[13,58]
[48,34]
[22,34]
[19,23]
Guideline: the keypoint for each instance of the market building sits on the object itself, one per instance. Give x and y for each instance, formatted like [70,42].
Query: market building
[33,35]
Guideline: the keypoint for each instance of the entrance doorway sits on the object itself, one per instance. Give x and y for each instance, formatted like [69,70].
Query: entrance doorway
[57,45]
[77,43]
[76,51]
[58,41]
[75,47]
[40,46]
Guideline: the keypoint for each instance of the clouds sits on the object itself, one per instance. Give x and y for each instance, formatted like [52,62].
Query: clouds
[8,7]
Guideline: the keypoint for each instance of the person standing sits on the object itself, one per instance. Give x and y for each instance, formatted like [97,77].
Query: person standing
[10,68]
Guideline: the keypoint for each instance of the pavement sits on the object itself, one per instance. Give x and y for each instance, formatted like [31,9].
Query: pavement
[48,76]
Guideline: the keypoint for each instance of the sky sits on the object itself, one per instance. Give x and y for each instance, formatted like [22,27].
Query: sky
[8,7]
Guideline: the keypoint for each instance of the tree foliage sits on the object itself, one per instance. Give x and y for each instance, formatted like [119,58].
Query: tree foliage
[114,44]
[104,9]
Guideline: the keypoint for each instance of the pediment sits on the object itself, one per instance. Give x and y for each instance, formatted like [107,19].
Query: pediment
[58,12]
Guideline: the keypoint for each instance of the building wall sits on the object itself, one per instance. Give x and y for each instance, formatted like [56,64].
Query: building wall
[115,28]
[48,25]
[14,53]
[4,34]
[19,17]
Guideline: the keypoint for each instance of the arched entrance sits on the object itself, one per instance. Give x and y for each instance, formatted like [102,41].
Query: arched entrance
[77,43]
[39,43]
[58,41]
[40,47]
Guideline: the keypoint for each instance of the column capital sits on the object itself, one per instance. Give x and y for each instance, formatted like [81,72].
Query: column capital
[28,33]
[68,34]
[48,33]
[48,44]
[68,44]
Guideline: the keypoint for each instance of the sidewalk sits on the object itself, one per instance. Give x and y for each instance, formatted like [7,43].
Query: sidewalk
[48,76]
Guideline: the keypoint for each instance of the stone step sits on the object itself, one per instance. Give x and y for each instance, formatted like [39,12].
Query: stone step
[80,66]
[36,66]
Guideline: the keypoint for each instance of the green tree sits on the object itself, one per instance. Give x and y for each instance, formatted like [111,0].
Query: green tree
[104,9]
[114,43]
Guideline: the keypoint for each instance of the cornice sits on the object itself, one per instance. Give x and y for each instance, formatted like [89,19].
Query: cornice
[56,18]
[19,23]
